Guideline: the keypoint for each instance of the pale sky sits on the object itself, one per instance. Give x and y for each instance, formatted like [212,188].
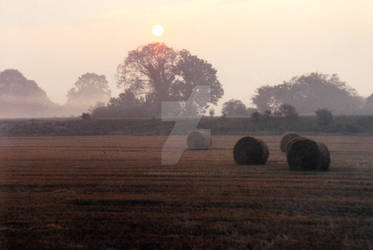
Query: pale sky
[250,43]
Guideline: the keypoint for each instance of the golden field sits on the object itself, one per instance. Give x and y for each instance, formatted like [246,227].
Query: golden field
[112,192]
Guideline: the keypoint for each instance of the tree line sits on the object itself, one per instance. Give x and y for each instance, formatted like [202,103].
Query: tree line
[155,73]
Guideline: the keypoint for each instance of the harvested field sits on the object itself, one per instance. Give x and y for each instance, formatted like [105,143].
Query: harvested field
[111,192]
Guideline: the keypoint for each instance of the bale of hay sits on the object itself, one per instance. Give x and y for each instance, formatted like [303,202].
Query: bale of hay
[324,161]
[250,151]
[307,155]
[288,145]
[199,139]
[286,139]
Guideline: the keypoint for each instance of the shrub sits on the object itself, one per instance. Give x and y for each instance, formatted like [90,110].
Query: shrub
[324,117]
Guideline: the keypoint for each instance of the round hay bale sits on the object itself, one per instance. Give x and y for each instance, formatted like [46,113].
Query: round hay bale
[286,139]
[288,145]
[250,151]
[324,162]
[307,155]
[199,139]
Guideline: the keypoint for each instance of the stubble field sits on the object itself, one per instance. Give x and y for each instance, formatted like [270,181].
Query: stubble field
[112,192]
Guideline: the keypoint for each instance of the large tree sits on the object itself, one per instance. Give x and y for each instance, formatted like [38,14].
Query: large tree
[88,90]
[307,93]
[158,73]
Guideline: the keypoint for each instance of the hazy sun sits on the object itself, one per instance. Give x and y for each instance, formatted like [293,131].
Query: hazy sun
[158,30]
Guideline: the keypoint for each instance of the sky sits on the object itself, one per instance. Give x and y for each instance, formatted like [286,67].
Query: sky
[250,42]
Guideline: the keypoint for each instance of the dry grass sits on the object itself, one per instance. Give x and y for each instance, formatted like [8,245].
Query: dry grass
[112,193]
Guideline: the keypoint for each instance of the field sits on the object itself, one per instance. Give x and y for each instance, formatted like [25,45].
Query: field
[111,192]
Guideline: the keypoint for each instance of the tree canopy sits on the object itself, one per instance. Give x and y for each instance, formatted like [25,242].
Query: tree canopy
[158,73]
[236,108]
[13,85]
[88,90]
[126,104]
[21,97]
[308,93]
[368,105]
[287,111]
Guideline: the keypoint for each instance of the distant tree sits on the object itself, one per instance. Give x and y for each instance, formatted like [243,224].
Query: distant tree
[87,91]
[21,97]
[234,108]
[324,117]
[250,111]
[125,105]
[287,111]
[212,112]
[126,100]
[368,105]
[267,114]
[158,73]
[96,106]
[308,93]
[85,116]
[14,85]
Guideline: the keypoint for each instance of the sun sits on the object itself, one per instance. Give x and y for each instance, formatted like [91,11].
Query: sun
[158,30]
